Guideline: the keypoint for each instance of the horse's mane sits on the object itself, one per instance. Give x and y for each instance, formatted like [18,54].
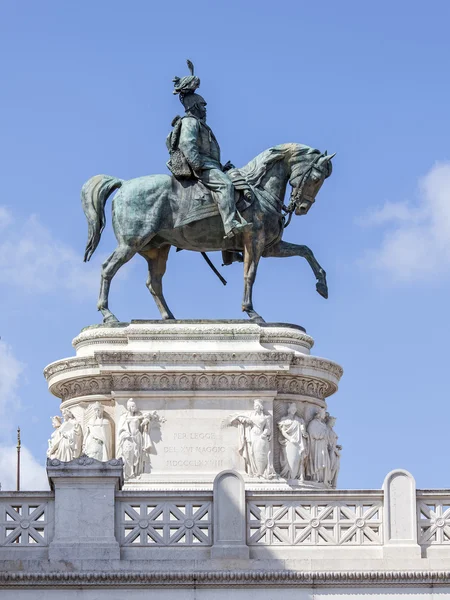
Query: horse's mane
[255,170]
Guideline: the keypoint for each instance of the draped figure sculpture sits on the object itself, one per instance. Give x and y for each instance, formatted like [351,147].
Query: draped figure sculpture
[255,437]
[293,444]
[134,441]
[334,450]
[98,438]
[53,441]
[66,441]
[319,458]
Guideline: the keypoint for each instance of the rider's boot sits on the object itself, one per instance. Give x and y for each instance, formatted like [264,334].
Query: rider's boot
[236,227]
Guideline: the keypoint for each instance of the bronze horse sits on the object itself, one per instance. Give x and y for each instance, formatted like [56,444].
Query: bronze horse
[145,219]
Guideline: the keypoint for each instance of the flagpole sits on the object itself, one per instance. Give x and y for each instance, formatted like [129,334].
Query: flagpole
[18,460]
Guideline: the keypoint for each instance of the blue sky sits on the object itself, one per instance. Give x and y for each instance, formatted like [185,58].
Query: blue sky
[86,89]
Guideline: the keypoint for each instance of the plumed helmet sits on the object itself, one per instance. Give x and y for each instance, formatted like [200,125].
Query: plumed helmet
[186,86]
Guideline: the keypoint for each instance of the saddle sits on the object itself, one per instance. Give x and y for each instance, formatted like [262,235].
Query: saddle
[191,201]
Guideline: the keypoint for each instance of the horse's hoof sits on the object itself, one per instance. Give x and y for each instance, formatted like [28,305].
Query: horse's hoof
[110,319]
[253,315]
[322,289]
[257,319]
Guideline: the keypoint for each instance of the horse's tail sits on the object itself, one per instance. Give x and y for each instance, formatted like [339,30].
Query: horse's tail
[94,194]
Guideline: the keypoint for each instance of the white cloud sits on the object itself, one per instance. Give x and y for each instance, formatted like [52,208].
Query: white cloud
[391,212]
[31,258]
[10,370]
[6,217]
[417,246]
[33,475]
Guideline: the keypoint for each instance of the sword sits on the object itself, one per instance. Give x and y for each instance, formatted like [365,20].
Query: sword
[211,266]
[205,256]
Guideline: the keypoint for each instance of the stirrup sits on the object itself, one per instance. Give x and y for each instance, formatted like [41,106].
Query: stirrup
[239,228]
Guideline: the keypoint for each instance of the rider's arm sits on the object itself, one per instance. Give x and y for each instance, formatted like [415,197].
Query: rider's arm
[188,142]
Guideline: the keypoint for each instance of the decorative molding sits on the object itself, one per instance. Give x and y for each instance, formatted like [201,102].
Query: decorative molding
[70,364]
[146,381]
[84,386]
[84,461]
[313,362]
[179,358]
[161,331]
[305,386]
[232,578]
[196,330]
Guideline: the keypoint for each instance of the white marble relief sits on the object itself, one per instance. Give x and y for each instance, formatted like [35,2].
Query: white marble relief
[293,440]
[134,441]
[66,441]
[52,442]
[255,441]
[98,435]
[334,451]
[319,457]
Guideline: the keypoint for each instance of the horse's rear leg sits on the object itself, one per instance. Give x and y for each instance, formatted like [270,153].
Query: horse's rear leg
[157,261]
[121,255]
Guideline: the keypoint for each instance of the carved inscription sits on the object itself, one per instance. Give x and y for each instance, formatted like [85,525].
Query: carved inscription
[194,449]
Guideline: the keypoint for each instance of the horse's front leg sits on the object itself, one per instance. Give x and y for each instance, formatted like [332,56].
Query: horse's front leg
[285,249]
[253,249]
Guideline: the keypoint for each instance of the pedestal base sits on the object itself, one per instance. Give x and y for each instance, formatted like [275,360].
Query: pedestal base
[194,386]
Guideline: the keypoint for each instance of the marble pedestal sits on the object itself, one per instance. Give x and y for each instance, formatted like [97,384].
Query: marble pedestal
[192,377]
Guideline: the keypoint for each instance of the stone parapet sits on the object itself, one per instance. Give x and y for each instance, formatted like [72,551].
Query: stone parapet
[88,508]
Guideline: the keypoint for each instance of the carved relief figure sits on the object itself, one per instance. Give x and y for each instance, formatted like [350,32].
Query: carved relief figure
[98,438]
[66,440]
[294,444]
[54,438]
[319,458]
[134,441]
[334,450]
[255,435]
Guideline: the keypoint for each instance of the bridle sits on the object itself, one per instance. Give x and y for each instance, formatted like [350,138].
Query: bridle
[296,195]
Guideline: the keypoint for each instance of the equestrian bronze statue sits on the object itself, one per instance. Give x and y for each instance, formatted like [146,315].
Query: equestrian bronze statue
[205,206]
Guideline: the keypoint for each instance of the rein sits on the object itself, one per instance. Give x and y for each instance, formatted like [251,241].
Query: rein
[289,209]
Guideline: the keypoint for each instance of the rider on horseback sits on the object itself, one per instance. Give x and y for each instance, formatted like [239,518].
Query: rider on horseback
[195,153]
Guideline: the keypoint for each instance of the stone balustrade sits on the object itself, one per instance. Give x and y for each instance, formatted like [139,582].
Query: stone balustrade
[397,520]
[26,521]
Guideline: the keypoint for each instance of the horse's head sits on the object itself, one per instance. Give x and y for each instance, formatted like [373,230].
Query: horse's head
[307,179]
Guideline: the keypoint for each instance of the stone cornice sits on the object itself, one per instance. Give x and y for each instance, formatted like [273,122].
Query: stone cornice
[187,358]
[239,331]
[283,371]
[191,356]
[102,579]
[86,467]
